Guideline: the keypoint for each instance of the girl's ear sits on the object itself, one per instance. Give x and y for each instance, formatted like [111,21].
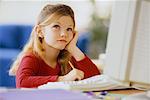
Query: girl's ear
[39,33]
[38,30]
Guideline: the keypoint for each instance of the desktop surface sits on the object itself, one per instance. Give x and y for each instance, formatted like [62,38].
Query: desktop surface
[120,94]
[36,94]
[126,91]
[59,94]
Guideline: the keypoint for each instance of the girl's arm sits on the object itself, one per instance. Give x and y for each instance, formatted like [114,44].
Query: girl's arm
[74,50]
[27,76]
[81,61]
[87,66]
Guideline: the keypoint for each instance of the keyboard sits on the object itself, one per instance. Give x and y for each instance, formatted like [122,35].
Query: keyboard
[95,83]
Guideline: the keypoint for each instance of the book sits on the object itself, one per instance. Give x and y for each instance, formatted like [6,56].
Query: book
[95,83]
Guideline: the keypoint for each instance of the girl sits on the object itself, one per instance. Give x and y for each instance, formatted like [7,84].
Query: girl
[51,54]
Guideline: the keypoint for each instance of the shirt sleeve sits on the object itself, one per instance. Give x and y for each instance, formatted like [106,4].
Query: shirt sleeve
[26,74]
[87,66]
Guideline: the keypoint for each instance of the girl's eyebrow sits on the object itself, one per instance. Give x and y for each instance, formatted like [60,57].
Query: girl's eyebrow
[60,24]
[71,25]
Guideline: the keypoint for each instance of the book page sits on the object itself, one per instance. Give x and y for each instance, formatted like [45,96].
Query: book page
[140,68]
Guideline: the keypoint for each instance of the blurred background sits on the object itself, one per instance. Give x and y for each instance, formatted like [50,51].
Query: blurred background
[17,17]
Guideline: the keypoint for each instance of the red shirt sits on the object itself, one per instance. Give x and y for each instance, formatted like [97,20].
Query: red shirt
[34,72]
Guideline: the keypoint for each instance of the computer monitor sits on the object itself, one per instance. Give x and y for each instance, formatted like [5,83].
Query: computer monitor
[128,45]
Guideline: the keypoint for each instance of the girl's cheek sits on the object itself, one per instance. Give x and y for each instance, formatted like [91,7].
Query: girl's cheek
[48,39]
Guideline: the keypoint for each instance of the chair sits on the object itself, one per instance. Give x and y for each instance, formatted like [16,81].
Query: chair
[12,40]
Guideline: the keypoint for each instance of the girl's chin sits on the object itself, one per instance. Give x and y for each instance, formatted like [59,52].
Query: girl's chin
[60,47]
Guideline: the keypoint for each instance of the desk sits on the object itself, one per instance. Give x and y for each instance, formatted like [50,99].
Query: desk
[119,93]
[126,91]
[57,94]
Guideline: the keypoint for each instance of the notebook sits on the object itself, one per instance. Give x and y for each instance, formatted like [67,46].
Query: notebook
[95,83]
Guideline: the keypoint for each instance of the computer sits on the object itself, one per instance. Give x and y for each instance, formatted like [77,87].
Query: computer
[128,48]
[127,63]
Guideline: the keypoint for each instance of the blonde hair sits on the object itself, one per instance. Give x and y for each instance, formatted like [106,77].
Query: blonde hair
[47,15]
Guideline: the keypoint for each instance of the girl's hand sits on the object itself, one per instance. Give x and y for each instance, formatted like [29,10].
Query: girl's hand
[73,75]
[72,44]
[74,50]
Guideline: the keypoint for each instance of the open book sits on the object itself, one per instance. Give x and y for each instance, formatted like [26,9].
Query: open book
[95,83]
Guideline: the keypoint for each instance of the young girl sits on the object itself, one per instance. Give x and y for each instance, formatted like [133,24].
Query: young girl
[51,54]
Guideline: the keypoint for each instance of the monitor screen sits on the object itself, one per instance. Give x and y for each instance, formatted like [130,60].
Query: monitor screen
[128,45]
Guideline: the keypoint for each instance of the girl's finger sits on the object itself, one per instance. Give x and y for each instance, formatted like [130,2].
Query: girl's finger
[78,78]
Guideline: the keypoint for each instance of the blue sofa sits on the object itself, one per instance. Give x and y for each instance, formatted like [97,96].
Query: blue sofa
[84,41]
[12,40]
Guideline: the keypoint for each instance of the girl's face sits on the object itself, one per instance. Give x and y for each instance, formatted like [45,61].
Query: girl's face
[59,33]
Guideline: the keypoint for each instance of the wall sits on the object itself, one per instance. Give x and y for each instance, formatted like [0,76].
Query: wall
[26,11]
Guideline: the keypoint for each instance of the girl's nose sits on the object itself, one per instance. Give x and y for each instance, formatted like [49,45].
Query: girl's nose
[63,34]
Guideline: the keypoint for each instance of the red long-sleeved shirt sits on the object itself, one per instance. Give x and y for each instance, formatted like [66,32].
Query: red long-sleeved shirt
[34,72]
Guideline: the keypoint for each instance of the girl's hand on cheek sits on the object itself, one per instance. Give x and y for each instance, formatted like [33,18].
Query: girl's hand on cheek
[74,50]
[72,44]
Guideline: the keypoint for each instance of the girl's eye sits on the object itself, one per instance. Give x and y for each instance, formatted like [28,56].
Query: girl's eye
[56,26]
[69,29]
